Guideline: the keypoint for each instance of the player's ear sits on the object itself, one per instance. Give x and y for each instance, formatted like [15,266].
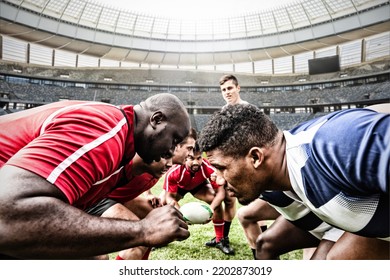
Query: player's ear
[156,118]
[257,156]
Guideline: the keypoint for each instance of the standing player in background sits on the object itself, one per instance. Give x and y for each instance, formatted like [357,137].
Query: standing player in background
[197,177]
[230,90]
[336,165]
[56,160]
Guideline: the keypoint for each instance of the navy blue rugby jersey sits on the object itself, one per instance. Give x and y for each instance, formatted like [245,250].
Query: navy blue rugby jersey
[293,210]
[339,167]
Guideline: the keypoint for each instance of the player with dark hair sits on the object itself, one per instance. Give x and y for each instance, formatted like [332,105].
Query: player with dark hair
[58,159]
[336,165]
[132,199]
[230,90]
[124,202]
[196,176]
[183,150]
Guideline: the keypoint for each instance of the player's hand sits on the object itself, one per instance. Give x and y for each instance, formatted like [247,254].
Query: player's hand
[210,219]
[154,200]
[164,225]
[220,180]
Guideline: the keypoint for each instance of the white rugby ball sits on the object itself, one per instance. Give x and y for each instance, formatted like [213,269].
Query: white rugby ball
[196,212]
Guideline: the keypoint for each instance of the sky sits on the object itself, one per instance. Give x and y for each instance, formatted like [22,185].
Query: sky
[194,9]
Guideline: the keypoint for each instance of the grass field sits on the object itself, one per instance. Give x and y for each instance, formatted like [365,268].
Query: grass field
[193,248]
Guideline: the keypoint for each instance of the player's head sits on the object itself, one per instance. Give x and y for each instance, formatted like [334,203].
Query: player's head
[230,89]
[161,122]
[185,148]
[232,140]
[155,168]
[194,160]
[158,168]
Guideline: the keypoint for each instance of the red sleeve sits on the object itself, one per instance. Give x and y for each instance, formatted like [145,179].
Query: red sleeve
[77,149]
[172,178]
[209,170]
[134,188]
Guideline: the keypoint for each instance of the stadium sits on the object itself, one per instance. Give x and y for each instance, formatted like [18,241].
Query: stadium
[295,61]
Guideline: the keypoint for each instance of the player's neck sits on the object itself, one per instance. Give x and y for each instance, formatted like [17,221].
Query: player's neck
[285,179]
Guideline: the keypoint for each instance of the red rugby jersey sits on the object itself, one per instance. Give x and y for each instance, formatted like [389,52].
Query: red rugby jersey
[78,146]
[136,186]
[178,176]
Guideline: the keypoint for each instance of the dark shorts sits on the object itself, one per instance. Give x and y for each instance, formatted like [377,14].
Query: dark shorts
[99,208]
[193,191]
[5,257]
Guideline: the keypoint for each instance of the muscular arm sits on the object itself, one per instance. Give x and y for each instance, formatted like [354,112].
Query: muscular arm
[36,222]
[172,200]
[219,197]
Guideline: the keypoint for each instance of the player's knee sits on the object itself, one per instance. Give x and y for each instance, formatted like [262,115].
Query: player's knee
[229,202]
[331,255]
[264,244]
[242,215]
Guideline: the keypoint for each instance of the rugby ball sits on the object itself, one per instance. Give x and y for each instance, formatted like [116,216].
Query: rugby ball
[196,212]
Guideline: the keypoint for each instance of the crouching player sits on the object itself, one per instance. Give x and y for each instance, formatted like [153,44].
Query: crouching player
[131,198]
[197,177]
[125,197]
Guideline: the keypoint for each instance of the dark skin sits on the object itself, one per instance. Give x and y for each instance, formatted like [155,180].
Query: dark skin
[264,167]
[37,222]
[74,230]
[258,165]
[282,237]
[155,134]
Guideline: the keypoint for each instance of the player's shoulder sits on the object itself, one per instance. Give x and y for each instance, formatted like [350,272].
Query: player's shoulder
[175,170]
[208,165]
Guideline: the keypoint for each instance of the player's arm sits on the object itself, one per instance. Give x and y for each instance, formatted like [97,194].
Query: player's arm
[154,200]
[37,222]
[171,186]
[218,187]
[171,199]
[219,197]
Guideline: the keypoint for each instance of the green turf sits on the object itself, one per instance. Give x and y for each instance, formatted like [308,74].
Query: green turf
[193,248]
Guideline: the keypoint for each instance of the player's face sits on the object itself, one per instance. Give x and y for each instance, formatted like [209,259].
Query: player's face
[194,162]
[158,169]
[239,175]
[161,141]
[183,150]
[230,92]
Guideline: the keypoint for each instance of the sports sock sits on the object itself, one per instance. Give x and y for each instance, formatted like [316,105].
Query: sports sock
[254,253]
[119,258]
[218,228]
[226,228]
[147,253]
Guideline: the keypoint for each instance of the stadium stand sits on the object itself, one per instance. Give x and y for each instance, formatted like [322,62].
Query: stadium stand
[33,71]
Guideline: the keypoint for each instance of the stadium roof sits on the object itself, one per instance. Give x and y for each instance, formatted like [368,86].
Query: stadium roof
[117,33]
